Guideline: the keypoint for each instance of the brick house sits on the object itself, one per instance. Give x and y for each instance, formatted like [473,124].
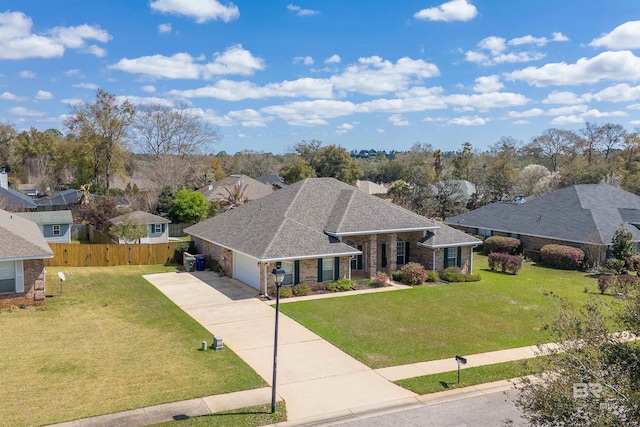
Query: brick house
[320,230]
[22,253]
[584,216]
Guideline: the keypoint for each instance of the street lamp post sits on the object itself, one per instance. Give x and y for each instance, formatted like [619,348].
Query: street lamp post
[278,277]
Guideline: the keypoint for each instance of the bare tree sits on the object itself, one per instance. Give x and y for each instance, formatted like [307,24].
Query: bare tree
[555,142]
[162,130]
[612,137]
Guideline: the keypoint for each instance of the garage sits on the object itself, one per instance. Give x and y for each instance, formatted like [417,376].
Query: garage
[246,269]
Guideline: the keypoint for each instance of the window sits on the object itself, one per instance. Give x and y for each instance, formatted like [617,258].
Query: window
[56,230]
[400,251]
[452,258]
[7,277]
[327,269]
[157,228]
[514,235]
[287,266]
[484,233]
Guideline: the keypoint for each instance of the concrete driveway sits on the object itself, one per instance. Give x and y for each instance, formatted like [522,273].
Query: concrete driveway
[314,377]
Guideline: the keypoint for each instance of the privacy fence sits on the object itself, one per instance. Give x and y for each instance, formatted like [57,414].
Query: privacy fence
[101,255]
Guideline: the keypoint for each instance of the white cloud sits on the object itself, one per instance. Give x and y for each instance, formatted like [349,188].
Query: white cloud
[538,41]
[249,118]
[521,122]
[455,10]
[617,66]
[594,113]
[487,100]
[72,72]
[497,49]
[468,121]
[145,100]
[311,113]
[557,97]
[374,76]
[22,111]
[96,51]
[71,101]
[333,59]
[26,74]
[302,12]
[230,90]
[559,37]
[344,128]
[493,44]
[148,88]
[200,10]
[488,84]
[234,60]
[164,28]
[8,96]
[398,120]
[567,120]
[568,110]
[533,112]
[625,36]
[618,93]
[17,41]
[634,107]
[43,95]
[306,60]
[90,86]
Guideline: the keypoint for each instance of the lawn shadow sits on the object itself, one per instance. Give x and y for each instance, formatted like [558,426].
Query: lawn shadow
[444,384]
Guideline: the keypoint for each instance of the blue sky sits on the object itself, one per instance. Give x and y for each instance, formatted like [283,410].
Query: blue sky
[360,74]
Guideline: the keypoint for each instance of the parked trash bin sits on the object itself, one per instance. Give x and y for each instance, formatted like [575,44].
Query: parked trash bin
[200,262]
[189,263]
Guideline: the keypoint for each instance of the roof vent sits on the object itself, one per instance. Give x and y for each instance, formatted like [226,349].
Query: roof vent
[520,199]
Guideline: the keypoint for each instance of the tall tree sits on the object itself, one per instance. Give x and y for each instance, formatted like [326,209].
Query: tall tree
[36,152]
[555,142]
[612,137]
[296,170]
[105,123]
[7,133]
[462,162]
[334,161]
[189,206]
[161,129]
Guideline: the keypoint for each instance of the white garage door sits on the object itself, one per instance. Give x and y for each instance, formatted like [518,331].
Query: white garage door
[246,270]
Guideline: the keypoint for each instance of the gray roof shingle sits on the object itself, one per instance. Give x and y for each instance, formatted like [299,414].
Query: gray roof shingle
[17,198]
[21,238]
[300,220]
[253,191]
[142,217]
[48,217]
[585,213]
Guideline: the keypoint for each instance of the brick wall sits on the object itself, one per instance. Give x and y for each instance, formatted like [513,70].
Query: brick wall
[34,285]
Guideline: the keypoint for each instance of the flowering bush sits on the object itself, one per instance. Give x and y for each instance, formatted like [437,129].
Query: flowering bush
[633,263]
[507,245]
[562,257]
[413,274]
[505,262]
[380,280]
[604,281]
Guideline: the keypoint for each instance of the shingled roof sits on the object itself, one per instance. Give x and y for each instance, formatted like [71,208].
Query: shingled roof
[305,220]
[140,216]
[253,189]
[586,213]
[21,238]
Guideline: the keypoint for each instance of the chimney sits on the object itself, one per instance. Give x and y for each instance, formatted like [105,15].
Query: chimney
[210,187]
[4,179]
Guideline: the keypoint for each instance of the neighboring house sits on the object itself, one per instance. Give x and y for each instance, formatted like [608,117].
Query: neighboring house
[157,226]
[13,199]
[277,182]
[55,226]
[320,230]
[59,201]
[372,188]
[585,216]
[23,250]
[253,190]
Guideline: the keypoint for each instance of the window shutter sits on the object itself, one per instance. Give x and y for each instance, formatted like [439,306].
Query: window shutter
[459,258]
[360,258]
[406,252]
[163,227]
[19,276]
[383,261]
[336,268]
[296,272]
[446,257]
[319,270]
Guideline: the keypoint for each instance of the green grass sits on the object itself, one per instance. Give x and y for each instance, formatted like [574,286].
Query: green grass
[471,376]
[246,417]
[438,321]
[111,342]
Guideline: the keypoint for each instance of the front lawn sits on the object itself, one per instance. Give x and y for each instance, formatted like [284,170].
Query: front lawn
[111,342]
[439,321]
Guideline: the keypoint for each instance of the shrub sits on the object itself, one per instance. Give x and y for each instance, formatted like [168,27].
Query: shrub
[301,290]
[507,245]
[505,262]
[286,292]
[432,276]
[340,285]
[632,263]
[413,274]
[380,280]
[615,265]
[181,248]
[604,282]
[454,274]
[396,276]
[562,257]
[625,283]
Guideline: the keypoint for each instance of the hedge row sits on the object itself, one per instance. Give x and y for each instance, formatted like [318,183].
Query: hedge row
[507,245]
[505,262]
[562,257]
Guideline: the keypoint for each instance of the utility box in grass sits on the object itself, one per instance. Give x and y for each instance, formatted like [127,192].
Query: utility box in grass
[189,263]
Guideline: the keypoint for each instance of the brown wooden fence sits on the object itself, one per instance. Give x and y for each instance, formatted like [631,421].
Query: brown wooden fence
[75,255]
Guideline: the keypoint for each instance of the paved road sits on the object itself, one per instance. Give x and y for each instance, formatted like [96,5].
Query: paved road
[486,410]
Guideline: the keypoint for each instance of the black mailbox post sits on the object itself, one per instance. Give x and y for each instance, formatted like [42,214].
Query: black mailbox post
[461,361]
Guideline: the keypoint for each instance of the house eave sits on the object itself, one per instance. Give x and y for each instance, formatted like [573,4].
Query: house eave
[22,258]
[314,256]
[450,245]
[388,231]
